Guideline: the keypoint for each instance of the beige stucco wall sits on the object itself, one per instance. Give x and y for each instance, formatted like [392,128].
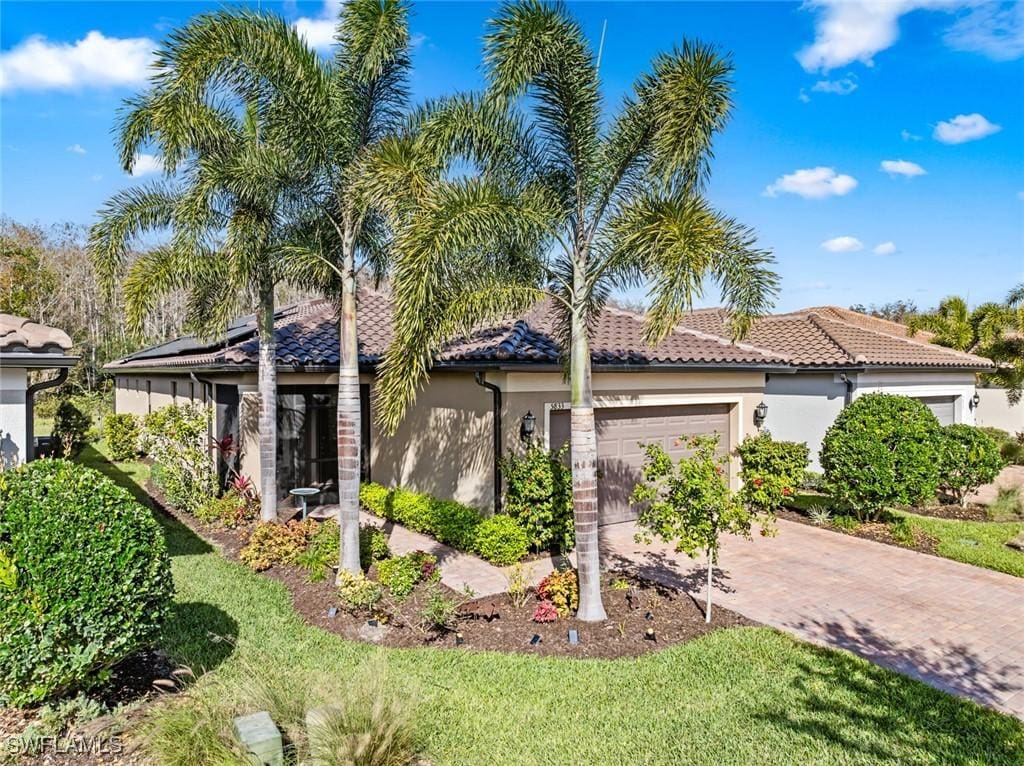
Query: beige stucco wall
[996,411]
[142,393]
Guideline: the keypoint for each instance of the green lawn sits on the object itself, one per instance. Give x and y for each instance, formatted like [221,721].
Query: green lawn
[981,543]
[748,696]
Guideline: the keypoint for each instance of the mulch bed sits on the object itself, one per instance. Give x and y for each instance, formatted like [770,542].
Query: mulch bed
[871,530]
[673,614]
[972,512]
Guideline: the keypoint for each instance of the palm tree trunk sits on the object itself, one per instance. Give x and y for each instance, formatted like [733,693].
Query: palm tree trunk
[583,448]
[349,419]
[268,404]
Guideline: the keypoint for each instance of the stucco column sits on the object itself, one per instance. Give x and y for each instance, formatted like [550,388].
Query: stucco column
[249,432]
[13,425]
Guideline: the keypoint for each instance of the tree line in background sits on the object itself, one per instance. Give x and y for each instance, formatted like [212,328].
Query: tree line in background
[46,275]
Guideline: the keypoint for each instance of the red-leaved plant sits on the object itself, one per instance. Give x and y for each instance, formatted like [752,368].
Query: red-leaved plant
[545,612]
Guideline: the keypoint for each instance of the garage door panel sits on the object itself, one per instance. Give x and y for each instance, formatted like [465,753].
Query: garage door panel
[943,407]
[620,454]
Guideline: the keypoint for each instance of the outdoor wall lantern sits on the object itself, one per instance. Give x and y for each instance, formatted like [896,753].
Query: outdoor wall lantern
[760,414]
[527,426]
[974,401]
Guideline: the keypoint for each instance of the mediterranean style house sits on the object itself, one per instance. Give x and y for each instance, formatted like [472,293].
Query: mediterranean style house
[488,392]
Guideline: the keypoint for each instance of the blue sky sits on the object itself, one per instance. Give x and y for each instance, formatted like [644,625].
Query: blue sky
[826,92]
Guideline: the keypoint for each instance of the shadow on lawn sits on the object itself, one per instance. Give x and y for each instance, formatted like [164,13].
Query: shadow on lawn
[841,699]
[197,634]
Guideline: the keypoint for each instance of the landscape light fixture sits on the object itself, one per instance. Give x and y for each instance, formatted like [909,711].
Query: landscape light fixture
[974,401]
[535,640]
[527,426]
[459,638]
[649,634]
[574,637]
[760,414]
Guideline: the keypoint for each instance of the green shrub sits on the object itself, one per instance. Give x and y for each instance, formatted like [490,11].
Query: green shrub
[230,509]
[1012,452]
[272,544]
[85,577]
[770,471]
[358,593]
[403,573]
[538,495]
[501,540]
[176,438]
[968,458]
[449,522]
[848,523]
[813,480]
[121,432]
[70,429]
[882,450]
[561,589]
[373,545]
[902,530]
[441,611]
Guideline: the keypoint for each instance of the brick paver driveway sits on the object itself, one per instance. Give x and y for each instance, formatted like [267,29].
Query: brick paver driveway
[957,627]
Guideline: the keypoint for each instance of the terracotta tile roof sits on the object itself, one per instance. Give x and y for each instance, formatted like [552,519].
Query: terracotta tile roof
[869,322]
[307,337]
[833,337]
[20,335]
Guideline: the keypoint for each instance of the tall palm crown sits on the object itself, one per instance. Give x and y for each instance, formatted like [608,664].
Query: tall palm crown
[326,115]
[567,208]
[950,322]
[229,188]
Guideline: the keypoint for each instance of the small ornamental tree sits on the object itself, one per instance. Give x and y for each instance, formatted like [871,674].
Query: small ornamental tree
[770,470]
[882,450]
[539,497]
[70,429]
[968,458]
[121,432]
[689,503]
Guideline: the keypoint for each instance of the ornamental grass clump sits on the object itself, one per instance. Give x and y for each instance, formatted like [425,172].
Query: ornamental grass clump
[882,450]
[85,579]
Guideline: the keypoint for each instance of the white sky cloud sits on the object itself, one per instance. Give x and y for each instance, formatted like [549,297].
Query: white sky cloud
[37,63]
[993,29]
[964,127]
[146,164]
[856,30]
[76,149]
[841,87]
[319,30]
[902,168]
[812,183]
[842,245]
[906,135]
[885,248]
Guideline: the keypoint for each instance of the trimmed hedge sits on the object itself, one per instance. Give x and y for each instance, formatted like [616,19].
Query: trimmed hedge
[882,450]
[501,540]
[84,575]
[447,521]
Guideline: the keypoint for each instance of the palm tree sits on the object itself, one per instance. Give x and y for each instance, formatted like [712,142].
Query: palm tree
[224,198]
[328,114]
[567,210]
[950,322]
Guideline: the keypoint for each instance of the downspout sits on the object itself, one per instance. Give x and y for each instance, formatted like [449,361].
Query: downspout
[497,437]
[208,387]
[30,398]
[848,398]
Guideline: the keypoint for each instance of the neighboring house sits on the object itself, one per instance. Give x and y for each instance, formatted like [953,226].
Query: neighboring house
[995,410]
[487,389]
[26,346]
[837,355]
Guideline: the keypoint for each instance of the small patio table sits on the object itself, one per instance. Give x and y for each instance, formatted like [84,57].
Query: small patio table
[302,493]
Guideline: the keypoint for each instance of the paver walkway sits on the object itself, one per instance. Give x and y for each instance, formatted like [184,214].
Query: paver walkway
[957,627]
[458,569]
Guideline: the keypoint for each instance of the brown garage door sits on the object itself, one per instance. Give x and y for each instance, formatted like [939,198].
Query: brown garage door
[619,455]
